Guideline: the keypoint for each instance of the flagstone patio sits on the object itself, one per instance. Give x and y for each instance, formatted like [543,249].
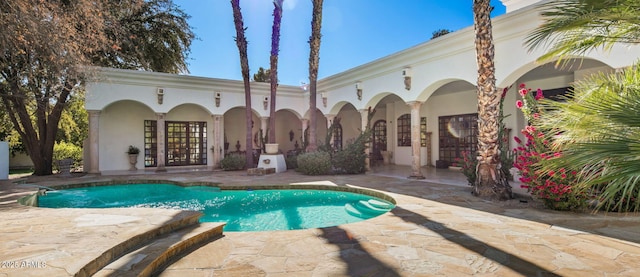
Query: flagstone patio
[437,228]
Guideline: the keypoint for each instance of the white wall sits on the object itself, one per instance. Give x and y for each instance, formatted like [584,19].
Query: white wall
[4,160]
[121,125]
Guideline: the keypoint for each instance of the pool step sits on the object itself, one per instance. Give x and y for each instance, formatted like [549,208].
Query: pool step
[366,209]
[381,204]
[184,219]
[152,257]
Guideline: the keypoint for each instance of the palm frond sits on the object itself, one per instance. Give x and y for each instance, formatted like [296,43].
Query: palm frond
[575,27]
[598,131]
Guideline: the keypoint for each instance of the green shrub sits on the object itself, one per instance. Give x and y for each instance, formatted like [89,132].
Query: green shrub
[315,163]
[233,162]
[351,159]
[63,150]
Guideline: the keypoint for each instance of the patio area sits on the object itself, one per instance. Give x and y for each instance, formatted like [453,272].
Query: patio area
[437,228]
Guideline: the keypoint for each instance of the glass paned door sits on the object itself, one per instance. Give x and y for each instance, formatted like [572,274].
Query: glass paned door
[186,143]
[379,141]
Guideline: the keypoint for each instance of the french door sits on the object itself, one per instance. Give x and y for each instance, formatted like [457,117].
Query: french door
[186,143]
[379,140]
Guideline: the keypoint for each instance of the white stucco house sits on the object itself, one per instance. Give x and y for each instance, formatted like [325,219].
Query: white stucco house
[424,98]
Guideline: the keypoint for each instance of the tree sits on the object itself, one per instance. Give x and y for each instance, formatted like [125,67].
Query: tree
[41,65]
[150,34]
[491,182]
[273,73]
[314,57]
[241,42]
[578,26]
[46,47]
[598,119]
[439,33]
[262,75]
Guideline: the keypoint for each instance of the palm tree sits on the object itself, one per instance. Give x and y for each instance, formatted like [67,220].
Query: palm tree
[491,181]
[241,41]
[578,26]
[599,119]
[273,72]
[600,135]
[314,57]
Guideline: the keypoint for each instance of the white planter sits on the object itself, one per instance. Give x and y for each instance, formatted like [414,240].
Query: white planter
[271,148]
[133,159]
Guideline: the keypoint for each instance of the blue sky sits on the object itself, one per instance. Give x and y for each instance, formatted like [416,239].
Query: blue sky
[354,32]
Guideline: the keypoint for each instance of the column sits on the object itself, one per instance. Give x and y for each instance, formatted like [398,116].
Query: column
[305,125]
[429,149]
[264,125]
[415,140]
[218,140]
[94,147]
[330,119]
[364,119]
[160,139]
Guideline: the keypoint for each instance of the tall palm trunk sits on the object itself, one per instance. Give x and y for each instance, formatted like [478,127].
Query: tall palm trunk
[491,181]
[314,57]
[241,41]
[273,74]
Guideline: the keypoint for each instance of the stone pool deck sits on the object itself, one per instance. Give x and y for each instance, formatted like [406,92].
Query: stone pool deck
[437,228]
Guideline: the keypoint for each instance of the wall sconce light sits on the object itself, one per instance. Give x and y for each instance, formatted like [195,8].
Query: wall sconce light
[217,97]
[160,93]
[359,90]
[406,73]
[324,99]
[265,102]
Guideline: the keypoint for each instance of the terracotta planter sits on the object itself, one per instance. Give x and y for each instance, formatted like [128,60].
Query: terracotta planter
[271,148]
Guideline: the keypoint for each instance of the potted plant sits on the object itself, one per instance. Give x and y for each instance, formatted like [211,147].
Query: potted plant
[133,157]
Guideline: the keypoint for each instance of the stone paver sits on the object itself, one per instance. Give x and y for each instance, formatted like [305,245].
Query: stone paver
[434,230]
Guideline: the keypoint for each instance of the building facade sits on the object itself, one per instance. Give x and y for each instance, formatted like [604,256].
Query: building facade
[424,99]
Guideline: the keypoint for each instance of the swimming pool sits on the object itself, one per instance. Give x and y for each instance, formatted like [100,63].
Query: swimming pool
[242,210]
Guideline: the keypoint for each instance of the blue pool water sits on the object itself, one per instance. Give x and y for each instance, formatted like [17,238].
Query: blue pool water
[242,210]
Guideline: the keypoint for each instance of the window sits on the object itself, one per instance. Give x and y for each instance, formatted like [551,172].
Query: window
[423,131]
[457,134]
[150,143]
[337,136]
[404,130]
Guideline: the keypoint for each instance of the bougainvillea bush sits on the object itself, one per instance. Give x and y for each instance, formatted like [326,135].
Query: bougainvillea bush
[555,187]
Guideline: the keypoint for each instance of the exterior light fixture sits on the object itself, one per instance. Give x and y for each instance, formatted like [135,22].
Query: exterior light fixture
[406,73]
[160,94]
[265,102]
[359,90]
[324,99]
[217,97]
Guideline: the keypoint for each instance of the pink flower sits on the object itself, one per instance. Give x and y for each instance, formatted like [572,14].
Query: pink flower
[523,91]
[536,115]
[522,86]
[530,129]
[517,139]
[519,104]
[539,94]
